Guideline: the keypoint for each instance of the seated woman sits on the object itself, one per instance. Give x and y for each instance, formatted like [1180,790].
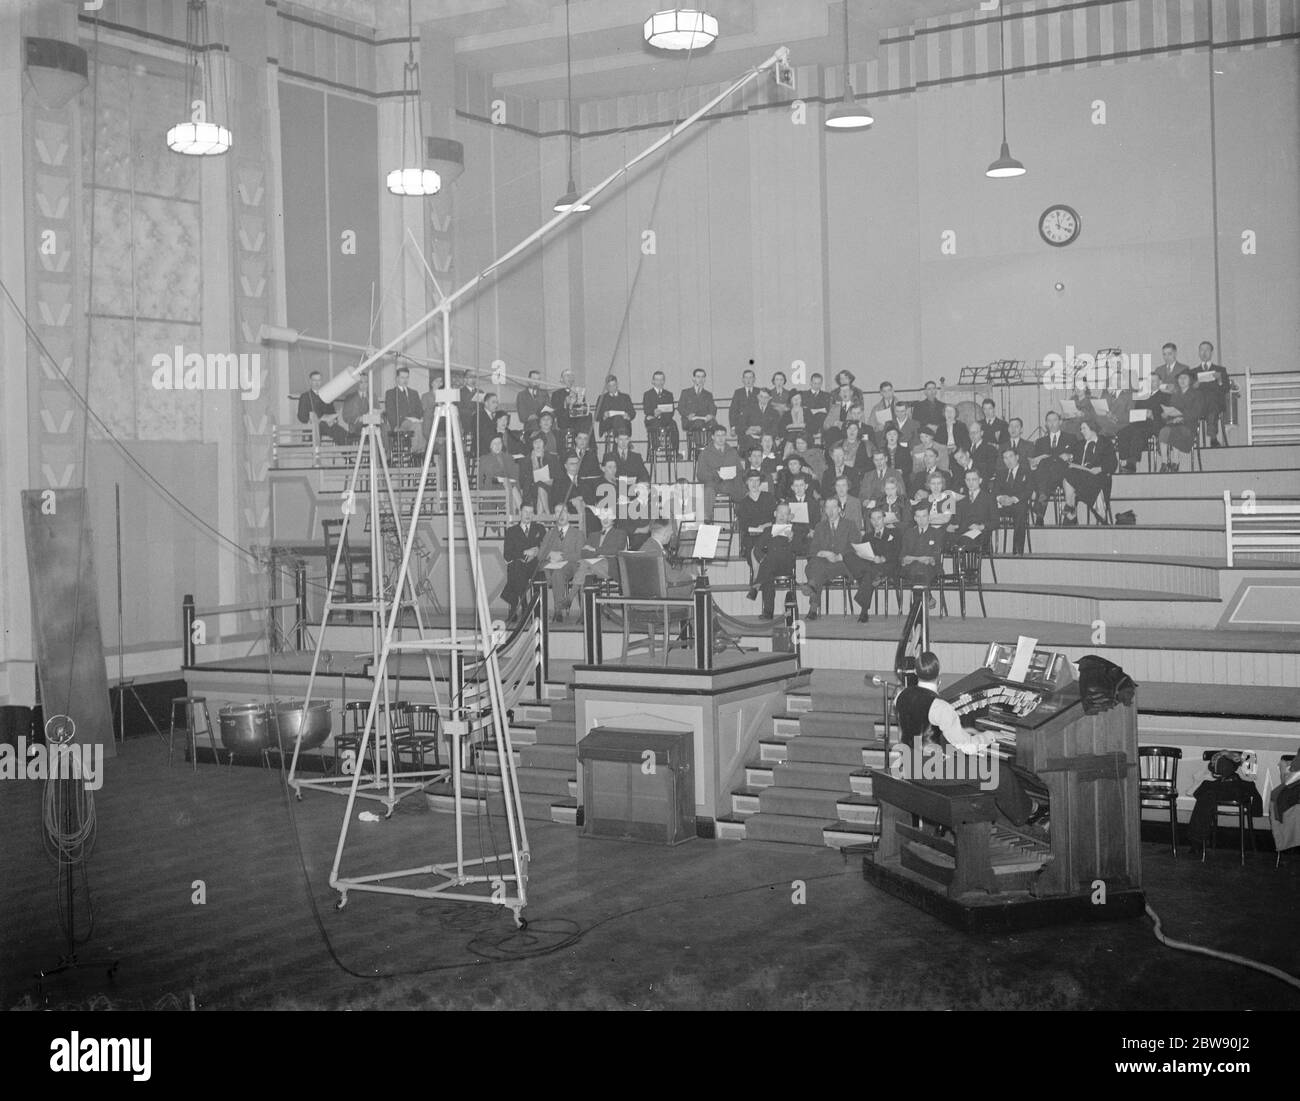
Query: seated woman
[512,443]
[894,504]
[857,452]
[496,468]
[793,423]
[941,499]
[952,435]
[1181,419]
[781,393]
[537,475]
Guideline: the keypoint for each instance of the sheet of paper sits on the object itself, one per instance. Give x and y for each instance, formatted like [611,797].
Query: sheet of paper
[1020,663]
[726,473]
[664,407]
[1137,416]
[706,541]
[799,512]
[1068,408]
[542,474]
[1101,405]
[882,416]
[782,531]
[755,531]
[863,550]
[553,566]
[1205,376]
[545,409]
[593,561]
[971,533]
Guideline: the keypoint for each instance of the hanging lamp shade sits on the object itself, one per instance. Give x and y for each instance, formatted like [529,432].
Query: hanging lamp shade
[411,177]
[681,29]
[569,200]
[849,115]
[202,134]
[1006,165]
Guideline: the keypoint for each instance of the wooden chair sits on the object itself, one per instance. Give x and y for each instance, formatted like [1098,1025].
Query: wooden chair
[644,577]
[1158,783]
[967,573]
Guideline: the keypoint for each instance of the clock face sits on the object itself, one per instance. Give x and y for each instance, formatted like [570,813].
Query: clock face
[1059,225]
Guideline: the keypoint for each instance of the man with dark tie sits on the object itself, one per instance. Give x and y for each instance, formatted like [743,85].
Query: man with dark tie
[1016,440]
[919,483]
[873,484]
[838,469]
[922,550]
[588,464]
[908,428]
[850,506]
[599,558]
[1052,456]
[1091,475]
[886,409]
[994,427]
[1214,393]
[522,543]
[559,553]
[880,559]
[929,410]
[630,464]
[1012,491]
[805,508]
[767,419]
[827,553]
[976,518]
[816,404]
[531,401]
[310,406]
[718,469]
[697,408]
[614,410]
[484,424]
[775,551]
[657,406]
[403,410]
[743,412]
[567,490]
[1168,370]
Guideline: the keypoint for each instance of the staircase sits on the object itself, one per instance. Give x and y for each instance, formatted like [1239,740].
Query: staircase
[809,785]
[1273,407]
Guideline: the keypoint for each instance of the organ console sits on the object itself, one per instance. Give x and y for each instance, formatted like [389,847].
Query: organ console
[978,873]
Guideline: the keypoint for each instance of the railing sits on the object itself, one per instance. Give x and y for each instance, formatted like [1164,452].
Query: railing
[1267,529]
[1273,407]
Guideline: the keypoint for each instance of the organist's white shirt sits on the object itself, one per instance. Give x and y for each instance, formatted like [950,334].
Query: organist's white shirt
[944,716]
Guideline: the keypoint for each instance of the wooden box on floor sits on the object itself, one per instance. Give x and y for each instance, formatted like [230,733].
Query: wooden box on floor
[638,785]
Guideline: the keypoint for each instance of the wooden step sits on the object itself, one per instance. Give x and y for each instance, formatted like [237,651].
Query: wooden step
[551,782]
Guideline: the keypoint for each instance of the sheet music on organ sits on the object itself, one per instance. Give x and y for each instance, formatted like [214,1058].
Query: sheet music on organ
[1024,654]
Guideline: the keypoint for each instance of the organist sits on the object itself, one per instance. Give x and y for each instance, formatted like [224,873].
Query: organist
[926,719]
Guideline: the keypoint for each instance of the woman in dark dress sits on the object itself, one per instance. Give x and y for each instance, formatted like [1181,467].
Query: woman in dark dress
[1182,417]
[534,489]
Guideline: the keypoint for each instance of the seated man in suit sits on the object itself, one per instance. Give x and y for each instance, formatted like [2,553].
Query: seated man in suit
[813,458]
[828,553]
[783,483]
[805,506]
[609,495]
[908,429]
[589,465]
[754,462]
[1090,476]
[681,581]
[919,484]
[698,410]
[1052,456]
[925,442]
[1012,491]
[743,410]
[567,491]
[657,406]
[403,410]
[977,515]
[311,409]
[836,469]
[630,464]
[754,513]
[718,469]
[532,399]
[921,553]
[1215,393]
[994,429]
[816,404]
[599,558]
[572,413]
[484,425]
[1016,439]
[559,554]
[614,409]
[929,410]
[775,552]
[522,544]
[768,419]
[879,559]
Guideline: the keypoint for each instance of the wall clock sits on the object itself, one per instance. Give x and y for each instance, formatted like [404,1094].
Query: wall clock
[1059,225]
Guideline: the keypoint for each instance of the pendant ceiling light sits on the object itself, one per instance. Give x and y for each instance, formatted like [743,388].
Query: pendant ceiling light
[1006,165]
[681,29]
[569,200]
[848,114]
[201,135]
[410,177]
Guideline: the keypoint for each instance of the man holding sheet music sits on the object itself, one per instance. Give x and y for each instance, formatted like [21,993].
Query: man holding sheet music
[775,551]
[1052,456]
[976,518]
[1012,490]
[698,409]
[531,401]
[805,508]
[717,468]
[657,405]
[877,553]
[829,553]
[559,554]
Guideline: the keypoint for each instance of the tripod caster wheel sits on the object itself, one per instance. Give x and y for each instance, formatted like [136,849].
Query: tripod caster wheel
[521,922]
[343,901]
[298,796]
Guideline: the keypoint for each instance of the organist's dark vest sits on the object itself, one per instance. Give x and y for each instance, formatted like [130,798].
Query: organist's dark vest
[912,705]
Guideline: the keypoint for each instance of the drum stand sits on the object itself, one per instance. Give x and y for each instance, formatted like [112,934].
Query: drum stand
[383,785]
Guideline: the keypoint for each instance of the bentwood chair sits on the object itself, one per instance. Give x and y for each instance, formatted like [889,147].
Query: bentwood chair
[1158,783]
